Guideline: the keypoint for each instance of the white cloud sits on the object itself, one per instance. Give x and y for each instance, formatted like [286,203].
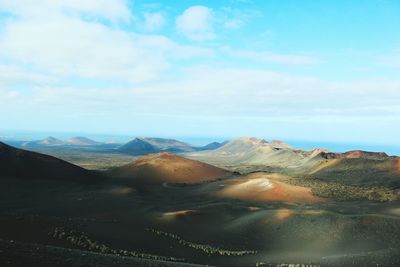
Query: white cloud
[69,46]
[226,98]
[239,92]
[266,56]
[64,45]
[113,10]
[153,21]
[196,23]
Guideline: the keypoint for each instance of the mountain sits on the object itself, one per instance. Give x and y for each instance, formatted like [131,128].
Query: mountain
[138,146]
[48,141]
[357,168]
[81,141]
[146,145]
[22,164]
[52,141]
[256,151]
[170,145]
[169,167]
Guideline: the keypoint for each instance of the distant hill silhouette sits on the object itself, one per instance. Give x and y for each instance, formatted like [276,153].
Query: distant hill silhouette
[52,141]
[48,141]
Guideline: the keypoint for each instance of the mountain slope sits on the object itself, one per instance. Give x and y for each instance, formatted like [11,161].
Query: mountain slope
[168,167]
[23,164]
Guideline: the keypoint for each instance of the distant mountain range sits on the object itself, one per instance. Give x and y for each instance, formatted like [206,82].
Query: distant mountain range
[353,167]
[147,145]
[255,151]
[22,164]
[246,154]
[138,146]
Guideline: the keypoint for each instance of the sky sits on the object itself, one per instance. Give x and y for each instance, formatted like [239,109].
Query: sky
[279,69]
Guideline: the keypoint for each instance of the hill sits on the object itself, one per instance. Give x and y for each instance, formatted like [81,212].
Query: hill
[355,168]
[23,164]
[81,141]
[258,152]
[52,141]
[168,167]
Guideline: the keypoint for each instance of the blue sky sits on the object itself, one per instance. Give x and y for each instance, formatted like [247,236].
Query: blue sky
[292,70]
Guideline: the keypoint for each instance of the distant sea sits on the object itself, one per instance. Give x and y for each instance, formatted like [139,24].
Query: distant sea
[390,149]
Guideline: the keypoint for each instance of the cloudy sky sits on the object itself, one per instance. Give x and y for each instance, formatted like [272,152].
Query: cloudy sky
[306,70]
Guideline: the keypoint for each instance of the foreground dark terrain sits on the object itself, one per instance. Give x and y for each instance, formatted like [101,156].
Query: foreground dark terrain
[245,203]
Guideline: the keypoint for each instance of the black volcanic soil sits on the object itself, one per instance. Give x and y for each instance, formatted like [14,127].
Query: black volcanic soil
[188,222]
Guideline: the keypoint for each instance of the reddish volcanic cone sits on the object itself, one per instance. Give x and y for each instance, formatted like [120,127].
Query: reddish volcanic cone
[168,167]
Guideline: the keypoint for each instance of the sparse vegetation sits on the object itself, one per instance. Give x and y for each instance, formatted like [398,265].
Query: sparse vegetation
[342,192]
[208,249]
[81,240]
